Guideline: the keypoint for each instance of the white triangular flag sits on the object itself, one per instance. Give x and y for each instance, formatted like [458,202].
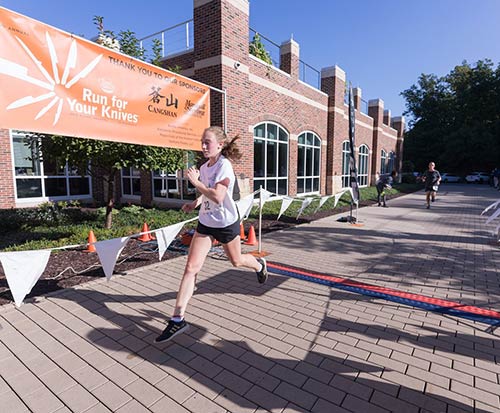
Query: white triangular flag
[305,203]
[352,195]
[493,216]
[166,235]
[108,252]
[337,197]
[264,196]
[244,206]
[22,270]
[493,205]
[285,203]
[322,202]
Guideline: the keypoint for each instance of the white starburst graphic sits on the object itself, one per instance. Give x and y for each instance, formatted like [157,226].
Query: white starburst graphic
[49,82]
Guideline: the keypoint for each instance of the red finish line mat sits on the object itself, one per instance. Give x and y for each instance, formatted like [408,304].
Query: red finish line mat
[415,300]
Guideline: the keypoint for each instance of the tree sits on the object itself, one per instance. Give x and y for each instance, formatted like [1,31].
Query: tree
[455,119]
[258,49]
[108,158]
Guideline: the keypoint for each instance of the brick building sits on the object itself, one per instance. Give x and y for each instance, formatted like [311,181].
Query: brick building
[294,136]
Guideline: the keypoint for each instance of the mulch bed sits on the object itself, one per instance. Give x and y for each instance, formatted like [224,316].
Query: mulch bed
[69,268]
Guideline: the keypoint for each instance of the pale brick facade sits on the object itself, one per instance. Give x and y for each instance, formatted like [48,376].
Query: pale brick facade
[257,92]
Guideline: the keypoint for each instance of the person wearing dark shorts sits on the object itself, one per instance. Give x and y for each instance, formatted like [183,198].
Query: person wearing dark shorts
[432,179]
[218,219]
[384,184]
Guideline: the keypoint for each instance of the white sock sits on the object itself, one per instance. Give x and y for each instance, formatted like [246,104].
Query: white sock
[177,318]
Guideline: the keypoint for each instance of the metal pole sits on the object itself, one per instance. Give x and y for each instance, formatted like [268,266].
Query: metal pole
[357,206]
[260,221]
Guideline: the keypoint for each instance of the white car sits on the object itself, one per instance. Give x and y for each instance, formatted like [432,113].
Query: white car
[477,177]
[450,178]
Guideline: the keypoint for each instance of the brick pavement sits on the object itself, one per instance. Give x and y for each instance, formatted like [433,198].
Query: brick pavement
[287,346]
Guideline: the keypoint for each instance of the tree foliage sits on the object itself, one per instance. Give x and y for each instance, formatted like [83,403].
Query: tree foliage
[108,158]
[455,119]
[258,49]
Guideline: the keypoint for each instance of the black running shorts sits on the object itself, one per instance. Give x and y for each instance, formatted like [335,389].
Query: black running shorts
[223,235]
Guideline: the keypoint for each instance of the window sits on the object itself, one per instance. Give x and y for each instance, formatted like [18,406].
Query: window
[346,174]
[131,182]
[271,158]
[172,186]
[308,163]
[45,180]
[383,161]
[363,165]
[390,162]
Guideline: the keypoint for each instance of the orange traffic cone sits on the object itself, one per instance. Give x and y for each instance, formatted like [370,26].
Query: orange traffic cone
[145,237]
[252,239]
[91,240]
[242,232]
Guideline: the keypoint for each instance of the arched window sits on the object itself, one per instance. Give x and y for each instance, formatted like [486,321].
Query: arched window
[363,165]
[308,163]
[346,151]
[383,161]
[270,143]
[390,162]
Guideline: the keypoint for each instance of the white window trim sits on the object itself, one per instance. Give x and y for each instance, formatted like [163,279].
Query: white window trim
[305,145]
[265,139]
[365,174]
[34,201]
[165,179]
[129,178]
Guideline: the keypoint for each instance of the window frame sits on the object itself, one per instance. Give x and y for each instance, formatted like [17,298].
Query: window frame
[42,177]
[363,162]
[130,177]
[345,172]
[265,180]
[315,161]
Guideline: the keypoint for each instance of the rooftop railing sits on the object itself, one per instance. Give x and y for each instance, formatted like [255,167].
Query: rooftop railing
[173,40]
[179,38]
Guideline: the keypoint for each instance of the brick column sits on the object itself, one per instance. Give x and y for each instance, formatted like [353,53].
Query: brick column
[7,195]
[357,97]
[221,44]
[387,117]
[289,58]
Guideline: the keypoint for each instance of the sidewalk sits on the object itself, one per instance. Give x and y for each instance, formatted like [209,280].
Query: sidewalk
[288,346]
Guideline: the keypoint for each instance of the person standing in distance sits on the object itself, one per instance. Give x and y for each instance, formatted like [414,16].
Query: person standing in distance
[432,179]
[384,184]
[218,219]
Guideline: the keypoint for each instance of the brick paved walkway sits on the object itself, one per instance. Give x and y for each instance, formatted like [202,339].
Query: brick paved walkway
[287,346]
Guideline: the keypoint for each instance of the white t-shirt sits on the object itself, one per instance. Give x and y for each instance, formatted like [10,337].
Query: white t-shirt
[212,214]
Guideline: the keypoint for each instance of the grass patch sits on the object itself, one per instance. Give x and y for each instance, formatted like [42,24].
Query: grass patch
[54,225]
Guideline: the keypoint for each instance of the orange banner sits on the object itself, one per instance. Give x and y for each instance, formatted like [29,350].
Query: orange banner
[57,83]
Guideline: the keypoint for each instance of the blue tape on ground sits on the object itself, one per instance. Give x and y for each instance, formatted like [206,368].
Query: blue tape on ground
[389,297]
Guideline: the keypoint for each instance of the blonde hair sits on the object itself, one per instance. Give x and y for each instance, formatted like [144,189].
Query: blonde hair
[229,148]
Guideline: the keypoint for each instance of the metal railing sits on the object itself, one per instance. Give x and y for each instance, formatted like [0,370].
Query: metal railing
[173,40]
[309,75]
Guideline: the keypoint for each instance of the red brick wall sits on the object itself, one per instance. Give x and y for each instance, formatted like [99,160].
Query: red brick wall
[7,197]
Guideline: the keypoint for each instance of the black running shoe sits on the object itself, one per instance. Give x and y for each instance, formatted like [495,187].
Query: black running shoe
[262,274]
[172,330]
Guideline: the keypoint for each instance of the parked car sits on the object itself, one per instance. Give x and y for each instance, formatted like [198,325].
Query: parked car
[446,177]
[477,177]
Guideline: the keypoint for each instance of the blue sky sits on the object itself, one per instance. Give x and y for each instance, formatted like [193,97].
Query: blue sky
[382,46]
